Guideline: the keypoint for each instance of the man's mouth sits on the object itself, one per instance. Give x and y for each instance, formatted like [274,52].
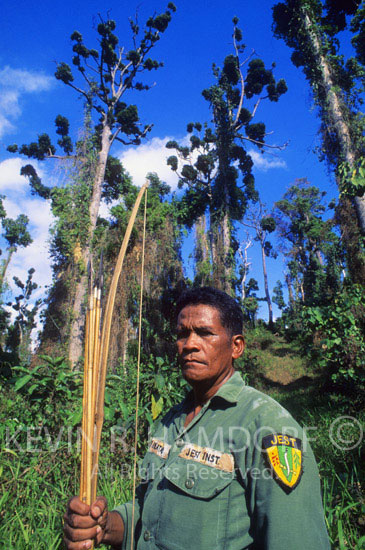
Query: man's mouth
[189,362]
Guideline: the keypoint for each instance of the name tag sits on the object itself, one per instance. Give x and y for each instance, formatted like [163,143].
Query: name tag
[160,448]
[208,457]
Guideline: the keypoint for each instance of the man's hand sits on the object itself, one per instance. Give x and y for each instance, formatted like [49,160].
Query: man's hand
[84,524]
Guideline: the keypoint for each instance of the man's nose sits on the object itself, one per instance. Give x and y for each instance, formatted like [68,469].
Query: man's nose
[191,341]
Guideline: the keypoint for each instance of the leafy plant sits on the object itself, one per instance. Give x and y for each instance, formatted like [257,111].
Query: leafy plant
[333,335]
[51,390]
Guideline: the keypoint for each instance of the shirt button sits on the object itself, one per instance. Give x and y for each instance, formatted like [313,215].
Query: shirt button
[189,483]
[147,535]
[180,443]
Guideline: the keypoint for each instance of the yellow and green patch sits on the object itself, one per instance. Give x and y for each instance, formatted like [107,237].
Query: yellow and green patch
[284,455]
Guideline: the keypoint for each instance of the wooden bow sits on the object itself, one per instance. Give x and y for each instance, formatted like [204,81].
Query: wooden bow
[95,368]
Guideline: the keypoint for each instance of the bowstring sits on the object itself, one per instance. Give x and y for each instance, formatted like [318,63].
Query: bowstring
[138,369]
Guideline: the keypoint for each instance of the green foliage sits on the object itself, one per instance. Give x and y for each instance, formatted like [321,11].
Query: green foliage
[278,295]
[250,304]
[18,334]
[309,243]
[50,389]
[16,232]
[36,185]
[161,385]
[117,181]
[268,224]
[352,178]
[334,336]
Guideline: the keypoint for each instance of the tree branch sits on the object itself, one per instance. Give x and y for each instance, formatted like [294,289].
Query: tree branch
[242,95]
[256,142]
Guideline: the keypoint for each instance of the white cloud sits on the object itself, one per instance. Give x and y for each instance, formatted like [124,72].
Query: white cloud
[149,157]
[152,156]
[9,102]
[104,210]
[264,162]
[5,125]
[13,84]
[23,80]
[10,178]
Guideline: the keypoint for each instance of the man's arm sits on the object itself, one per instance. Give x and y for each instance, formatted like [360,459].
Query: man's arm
[84,524]
[283,516]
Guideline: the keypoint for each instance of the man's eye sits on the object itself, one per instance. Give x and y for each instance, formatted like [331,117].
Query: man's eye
[204,332]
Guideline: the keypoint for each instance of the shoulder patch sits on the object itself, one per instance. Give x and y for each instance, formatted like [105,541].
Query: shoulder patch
[284,455]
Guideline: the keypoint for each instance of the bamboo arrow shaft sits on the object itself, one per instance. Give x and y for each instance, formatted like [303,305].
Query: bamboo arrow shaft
[95,367]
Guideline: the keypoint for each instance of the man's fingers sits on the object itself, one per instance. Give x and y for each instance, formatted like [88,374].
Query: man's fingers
[83,523]
[99,507]
[76,535]
[100,535]
[78,507]
[79,522]
[84,545]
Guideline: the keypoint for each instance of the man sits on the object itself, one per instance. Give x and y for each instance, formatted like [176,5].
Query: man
[228,468]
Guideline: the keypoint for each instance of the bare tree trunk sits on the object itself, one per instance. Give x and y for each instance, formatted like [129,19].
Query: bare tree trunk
[245,264]
[319,257]
[290,291]
[226,252]
[78,310]
[301,287]
[267,292]
[125,340]
[202,256]
[5,266]
[332,105]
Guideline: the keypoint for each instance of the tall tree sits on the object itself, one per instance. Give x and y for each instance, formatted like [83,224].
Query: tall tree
[310,28]
[245,264]
[19,334]
[257,219]
[309,243]
[217,169]
[105,76]
[15,233]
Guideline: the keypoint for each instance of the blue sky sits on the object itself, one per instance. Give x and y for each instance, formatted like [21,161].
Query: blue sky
[35,35]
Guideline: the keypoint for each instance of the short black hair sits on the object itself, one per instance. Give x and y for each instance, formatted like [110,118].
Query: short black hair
[229,310]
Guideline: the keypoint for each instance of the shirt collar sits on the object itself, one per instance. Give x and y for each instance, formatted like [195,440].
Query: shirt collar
[229,391]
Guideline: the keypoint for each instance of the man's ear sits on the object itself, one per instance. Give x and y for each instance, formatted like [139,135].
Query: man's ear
[238,346]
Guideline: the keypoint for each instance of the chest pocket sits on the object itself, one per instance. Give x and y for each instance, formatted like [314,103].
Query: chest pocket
[197,480]
[193,506]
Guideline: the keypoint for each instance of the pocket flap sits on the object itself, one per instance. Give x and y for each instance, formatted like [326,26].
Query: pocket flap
[197,480]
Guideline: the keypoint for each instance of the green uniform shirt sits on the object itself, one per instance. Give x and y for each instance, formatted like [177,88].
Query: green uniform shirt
[209,486]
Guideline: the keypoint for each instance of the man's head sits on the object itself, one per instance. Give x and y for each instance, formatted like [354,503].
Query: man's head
[209,339]
[230,313]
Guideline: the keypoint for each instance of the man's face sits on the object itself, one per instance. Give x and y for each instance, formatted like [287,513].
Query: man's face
[204,346]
